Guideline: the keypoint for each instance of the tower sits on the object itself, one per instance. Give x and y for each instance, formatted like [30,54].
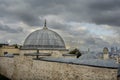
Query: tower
[105,53]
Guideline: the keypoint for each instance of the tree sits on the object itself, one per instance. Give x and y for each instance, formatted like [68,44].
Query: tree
[16,45]
[75,51]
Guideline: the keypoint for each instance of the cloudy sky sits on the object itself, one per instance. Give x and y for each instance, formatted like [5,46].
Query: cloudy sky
[84,24]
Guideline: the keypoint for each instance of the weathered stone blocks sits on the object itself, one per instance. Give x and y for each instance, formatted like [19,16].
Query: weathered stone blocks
[24,68]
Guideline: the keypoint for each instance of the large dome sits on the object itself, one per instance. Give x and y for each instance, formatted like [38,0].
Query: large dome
[44,39]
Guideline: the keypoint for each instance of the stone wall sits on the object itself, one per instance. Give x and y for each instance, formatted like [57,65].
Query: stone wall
[24,68]
[6,66]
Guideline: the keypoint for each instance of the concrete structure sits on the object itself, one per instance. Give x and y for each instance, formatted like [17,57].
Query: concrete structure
[25,68]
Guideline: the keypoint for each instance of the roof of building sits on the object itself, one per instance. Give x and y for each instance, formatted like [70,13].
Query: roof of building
[89,56]
[89,59]
[88,62]
[44,39]
[69,54]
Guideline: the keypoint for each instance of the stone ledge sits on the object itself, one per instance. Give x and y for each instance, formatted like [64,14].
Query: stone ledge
[74,61]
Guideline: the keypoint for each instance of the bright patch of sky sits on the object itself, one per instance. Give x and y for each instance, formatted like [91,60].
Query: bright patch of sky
[99,30]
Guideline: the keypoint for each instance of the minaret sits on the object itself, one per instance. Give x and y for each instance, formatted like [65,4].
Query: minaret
[88,50]
[105,53]
[45,27]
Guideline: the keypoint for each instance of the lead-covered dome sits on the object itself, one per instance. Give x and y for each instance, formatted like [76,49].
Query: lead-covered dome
[44,39]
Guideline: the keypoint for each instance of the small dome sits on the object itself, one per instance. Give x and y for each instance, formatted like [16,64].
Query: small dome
[44,39]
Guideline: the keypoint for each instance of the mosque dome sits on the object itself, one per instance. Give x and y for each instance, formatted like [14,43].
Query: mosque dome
[44,39]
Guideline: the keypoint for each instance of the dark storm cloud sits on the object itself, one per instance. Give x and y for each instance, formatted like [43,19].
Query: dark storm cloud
[16,11]
[29,19]
[33,12]
[105,12]
[10,30]
[105,5]
[94,11]
[59,26]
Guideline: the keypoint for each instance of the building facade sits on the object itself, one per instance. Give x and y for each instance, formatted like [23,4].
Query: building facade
[9,49]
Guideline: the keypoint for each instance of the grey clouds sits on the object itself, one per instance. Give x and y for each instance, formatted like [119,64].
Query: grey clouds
[61,14]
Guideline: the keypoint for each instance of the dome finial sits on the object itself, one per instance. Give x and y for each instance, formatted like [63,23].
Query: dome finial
[45,27]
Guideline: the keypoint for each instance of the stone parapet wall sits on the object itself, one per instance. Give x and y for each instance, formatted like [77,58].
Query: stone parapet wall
[24,68]
[6,66]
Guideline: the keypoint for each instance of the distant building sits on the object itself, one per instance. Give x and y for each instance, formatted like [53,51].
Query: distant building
[9,49]
[112,49]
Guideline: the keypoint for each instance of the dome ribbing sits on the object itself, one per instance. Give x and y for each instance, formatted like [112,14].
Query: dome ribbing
[44,39]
